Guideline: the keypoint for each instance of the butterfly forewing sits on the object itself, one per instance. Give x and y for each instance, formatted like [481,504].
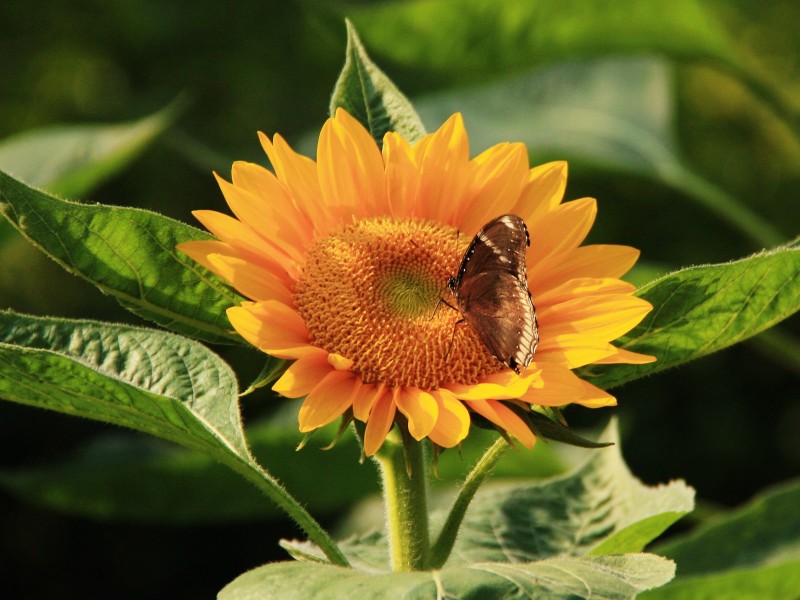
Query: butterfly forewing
[491,291]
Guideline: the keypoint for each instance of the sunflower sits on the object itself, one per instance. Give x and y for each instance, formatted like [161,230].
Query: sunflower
[345,262]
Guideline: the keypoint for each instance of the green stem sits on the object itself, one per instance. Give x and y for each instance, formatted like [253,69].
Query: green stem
[443,545]
[405,493]
[278,494]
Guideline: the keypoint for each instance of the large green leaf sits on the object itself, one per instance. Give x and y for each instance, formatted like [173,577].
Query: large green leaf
[616,577]
[764,531]
[773,582]
[369,95]
[600,508]
[155,382]
[699,310]
[614,113]
[70,160]
[127,253]
[147,380]
[751,553]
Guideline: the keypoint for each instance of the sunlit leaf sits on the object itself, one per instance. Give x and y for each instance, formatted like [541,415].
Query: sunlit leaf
[147,380]
[776,582]
[365,92]
[128,253]
[600,577]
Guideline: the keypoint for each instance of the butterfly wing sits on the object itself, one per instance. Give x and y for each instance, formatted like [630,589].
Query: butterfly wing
[501,246]
[491,290]
[498,307]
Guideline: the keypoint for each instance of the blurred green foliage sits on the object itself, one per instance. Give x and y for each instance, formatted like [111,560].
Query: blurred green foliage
[725,108]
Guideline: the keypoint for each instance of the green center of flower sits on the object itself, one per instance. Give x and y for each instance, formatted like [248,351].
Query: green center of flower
[408,294]
[373,292]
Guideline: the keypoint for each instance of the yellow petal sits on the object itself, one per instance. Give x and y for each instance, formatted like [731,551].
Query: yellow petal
[500,174]
[622,356]
[452,424]
[254,281]
[420,408]
[572,351]
[402,176]
[271,327]
[562,229]
[247,242]
[560,386]
[380,422]
[328,400]
[350,168]
[303,375]
[443,157]
[505,418]
[503,385]
[268,210]
[543,192]
[298,175]
[585,261]
[364,399]
[604,318]
[200,250]
[583,286]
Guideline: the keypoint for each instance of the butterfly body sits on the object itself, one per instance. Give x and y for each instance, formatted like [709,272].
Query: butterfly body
[491,291]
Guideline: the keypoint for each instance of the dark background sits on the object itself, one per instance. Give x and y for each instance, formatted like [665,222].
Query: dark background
[728,423]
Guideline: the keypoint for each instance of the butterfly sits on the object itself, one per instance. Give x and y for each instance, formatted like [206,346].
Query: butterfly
[491,291]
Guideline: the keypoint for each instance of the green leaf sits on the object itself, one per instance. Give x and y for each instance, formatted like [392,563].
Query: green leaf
[776,582]
[765,531]
[601,577]
[599,508]
[365,92]
[147,380]
[616,114]
[699,310]
[150,381]
[71,160]
[128,253]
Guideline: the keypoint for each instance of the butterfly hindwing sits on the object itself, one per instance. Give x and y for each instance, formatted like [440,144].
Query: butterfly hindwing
[491,291]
